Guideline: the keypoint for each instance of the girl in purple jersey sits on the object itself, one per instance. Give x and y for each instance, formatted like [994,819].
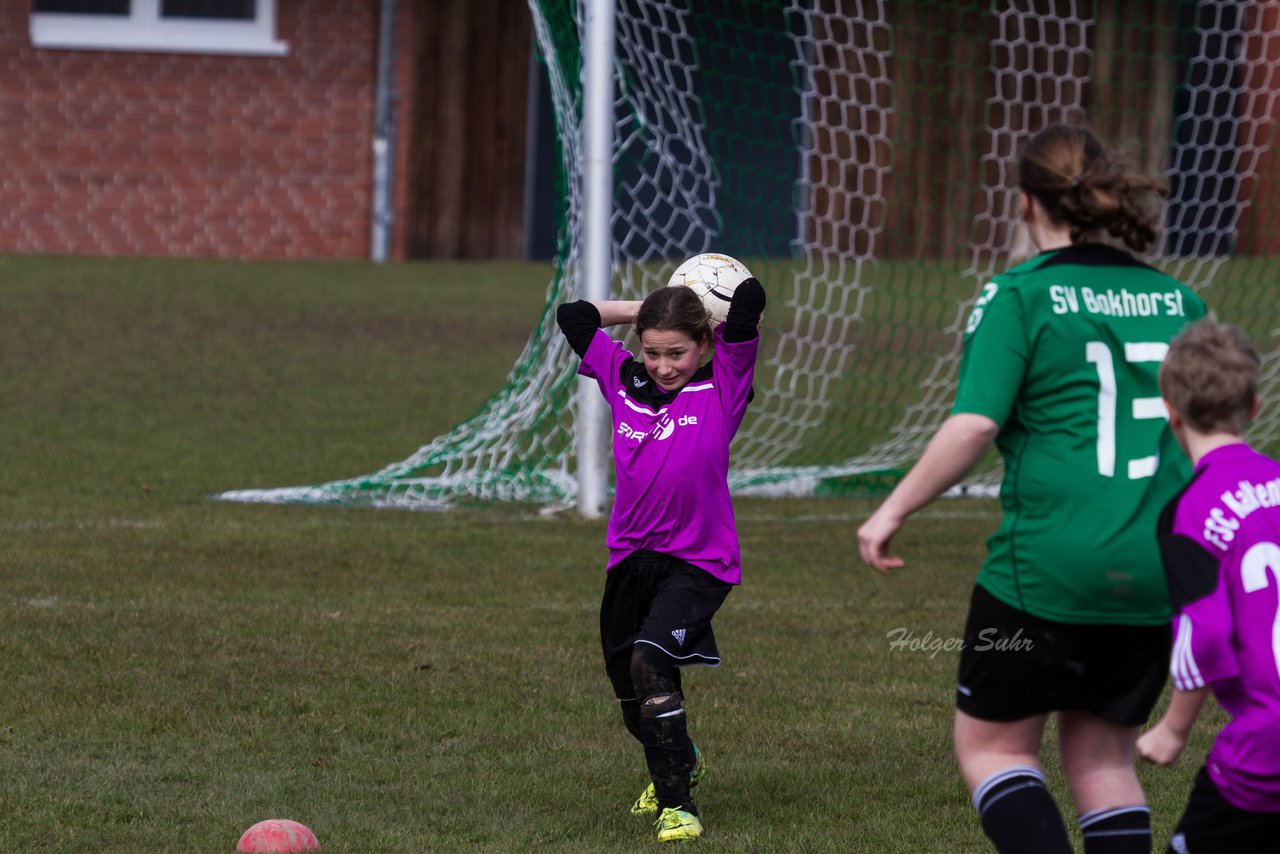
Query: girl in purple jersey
[1220,544]
[673,545]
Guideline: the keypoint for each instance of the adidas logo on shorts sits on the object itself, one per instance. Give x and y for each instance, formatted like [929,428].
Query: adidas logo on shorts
[678,634]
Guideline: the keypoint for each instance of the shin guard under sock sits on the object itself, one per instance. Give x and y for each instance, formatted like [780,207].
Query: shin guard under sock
[667,750]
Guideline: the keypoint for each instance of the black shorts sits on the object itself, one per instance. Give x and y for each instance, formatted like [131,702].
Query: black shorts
[1015,665]
[1211,824]
[656,599]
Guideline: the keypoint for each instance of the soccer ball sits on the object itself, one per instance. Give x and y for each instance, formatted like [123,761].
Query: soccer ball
[278,836]
[713,278]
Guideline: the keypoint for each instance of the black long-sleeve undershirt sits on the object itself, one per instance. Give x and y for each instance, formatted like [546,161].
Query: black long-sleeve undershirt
[579,322]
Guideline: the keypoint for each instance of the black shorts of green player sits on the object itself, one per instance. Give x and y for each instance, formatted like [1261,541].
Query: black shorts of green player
[655,617]
[1212,823]
[1015,665]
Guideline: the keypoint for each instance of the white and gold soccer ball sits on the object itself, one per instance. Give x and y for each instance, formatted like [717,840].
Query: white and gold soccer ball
[713,278]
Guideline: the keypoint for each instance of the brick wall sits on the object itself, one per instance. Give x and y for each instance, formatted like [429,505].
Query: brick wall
[121,153]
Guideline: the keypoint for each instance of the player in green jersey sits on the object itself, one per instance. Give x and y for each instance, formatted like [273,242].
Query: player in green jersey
[1068,616]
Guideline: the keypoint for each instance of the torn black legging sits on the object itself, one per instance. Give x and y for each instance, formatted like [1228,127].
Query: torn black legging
[656,717]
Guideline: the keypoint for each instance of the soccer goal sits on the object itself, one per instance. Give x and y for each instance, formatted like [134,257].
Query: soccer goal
[858,156]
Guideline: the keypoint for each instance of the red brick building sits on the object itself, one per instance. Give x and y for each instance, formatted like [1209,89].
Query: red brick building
[252,136]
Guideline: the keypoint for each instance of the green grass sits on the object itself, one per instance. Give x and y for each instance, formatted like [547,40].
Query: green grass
[174,669]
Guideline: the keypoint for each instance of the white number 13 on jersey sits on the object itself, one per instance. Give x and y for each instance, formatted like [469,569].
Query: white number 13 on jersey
[1099,354]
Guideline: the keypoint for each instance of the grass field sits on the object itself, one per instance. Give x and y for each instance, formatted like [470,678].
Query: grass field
[174,669]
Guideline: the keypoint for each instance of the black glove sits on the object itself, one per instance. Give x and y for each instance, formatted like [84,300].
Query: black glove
[745,310]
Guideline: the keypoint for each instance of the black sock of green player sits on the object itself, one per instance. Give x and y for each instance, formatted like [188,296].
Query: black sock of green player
[1119,830]
[667,750]
[1018,813]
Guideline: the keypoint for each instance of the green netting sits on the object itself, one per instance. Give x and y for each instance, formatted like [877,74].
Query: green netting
[859,157]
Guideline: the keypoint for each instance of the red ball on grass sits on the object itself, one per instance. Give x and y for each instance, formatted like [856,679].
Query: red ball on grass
[278,836]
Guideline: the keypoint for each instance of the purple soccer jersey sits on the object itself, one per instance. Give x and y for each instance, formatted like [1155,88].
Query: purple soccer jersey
[672,460]
[1220,539]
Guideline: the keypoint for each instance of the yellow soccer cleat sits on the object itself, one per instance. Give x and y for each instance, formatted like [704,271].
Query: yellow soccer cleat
[676,825]
[647,803]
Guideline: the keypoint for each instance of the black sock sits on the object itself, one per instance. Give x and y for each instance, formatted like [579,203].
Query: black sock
[1019,814]
[1117,830]
[667,750]
[631,717]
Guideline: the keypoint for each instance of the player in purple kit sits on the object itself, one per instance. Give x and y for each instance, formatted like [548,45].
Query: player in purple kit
[1220,543]
[673,544]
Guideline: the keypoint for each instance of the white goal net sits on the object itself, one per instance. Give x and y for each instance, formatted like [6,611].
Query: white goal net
[859,157]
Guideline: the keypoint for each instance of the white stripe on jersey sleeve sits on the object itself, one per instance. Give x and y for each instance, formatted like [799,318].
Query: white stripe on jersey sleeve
[1182,665]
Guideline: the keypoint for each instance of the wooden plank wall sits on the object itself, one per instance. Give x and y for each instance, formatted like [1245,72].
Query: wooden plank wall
[467,144]
[936,108]
[468,125]
[1260,223]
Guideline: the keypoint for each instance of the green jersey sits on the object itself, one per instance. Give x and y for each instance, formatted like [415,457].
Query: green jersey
[1063,353]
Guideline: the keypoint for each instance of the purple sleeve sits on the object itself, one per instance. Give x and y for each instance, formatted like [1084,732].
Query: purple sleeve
[734,367]
[603,361]
[1202,649]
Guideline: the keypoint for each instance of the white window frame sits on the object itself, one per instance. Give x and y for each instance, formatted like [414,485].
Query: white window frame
[144,30]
